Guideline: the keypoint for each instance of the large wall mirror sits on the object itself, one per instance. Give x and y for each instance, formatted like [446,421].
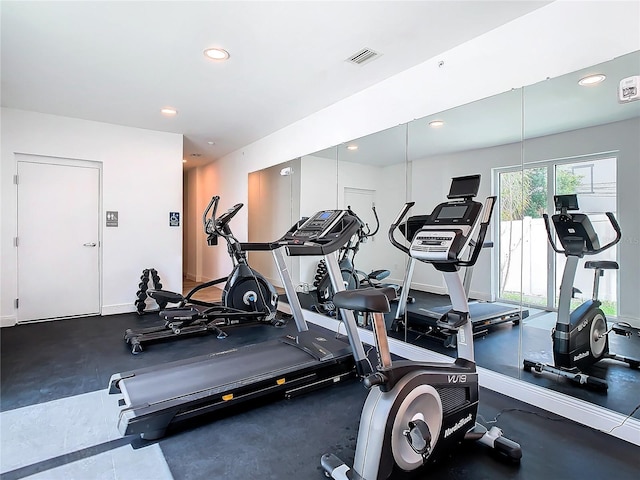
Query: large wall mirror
[476,138]
[528,144]
[282,194]
[579,139]
[372,183]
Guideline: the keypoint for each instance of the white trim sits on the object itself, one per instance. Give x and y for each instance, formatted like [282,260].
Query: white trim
[118,308]
[633,321]
[584,413]
[8,321]
[425,287]
[483,296]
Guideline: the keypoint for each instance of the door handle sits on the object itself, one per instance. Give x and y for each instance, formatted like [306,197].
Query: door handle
[90,244]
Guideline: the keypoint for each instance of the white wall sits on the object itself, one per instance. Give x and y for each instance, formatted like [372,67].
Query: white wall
[318,191]
[272,208]
[389,185]
[142,180]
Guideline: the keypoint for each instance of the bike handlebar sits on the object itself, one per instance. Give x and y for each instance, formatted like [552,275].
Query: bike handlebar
[403,212]
[612,221]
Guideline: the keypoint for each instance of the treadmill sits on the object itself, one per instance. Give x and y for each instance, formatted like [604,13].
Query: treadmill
[427,320]
[156,397]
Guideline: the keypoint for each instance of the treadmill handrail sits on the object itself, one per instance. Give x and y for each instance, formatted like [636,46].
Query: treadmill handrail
[484,226]
[403,213]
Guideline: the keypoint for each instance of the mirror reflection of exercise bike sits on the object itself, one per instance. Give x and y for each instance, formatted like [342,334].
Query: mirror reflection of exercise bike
[416,412]
[580,337]
[351,276]
[246,297]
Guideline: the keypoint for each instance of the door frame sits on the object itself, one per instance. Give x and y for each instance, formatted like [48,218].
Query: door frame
[69,162]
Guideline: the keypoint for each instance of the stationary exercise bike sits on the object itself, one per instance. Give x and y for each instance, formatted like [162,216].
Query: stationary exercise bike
[418,411]
[246,297]
[581,337]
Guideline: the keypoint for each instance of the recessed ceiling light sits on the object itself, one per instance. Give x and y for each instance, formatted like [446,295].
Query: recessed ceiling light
[168,111]
[211,143]
[184,160]
[216,54]
[592,79]
[352,147]
[436,124]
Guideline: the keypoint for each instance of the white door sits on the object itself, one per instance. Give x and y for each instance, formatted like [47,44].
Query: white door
[58,239]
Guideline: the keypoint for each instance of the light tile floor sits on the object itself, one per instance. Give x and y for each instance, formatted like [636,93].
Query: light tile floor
[74,438]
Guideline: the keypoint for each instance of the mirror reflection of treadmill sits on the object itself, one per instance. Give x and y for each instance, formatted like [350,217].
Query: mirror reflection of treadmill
[423,314]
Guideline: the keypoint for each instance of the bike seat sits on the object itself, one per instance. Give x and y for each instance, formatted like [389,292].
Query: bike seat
[365,299]
[165,296]
[603,264]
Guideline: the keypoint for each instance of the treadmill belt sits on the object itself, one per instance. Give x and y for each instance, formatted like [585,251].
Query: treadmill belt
[479,311]
[211,374]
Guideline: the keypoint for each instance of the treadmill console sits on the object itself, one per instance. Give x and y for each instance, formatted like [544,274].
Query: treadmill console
[322,233]
[445,233]
[318,225]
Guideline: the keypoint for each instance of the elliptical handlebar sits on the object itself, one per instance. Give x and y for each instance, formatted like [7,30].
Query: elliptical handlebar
[365,231]
[478,245]
[213,225]
[375,215]
[208,224]
[403,213]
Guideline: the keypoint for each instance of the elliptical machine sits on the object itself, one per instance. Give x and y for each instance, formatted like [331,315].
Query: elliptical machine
[246,297]
[581,337]
[417,411]
[351,276]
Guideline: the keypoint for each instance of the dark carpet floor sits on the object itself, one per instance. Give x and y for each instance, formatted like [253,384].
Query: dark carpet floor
[285,439]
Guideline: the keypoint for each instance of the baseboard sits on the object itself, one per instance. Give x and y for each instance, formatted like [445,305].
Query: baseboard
[440,290]
[483,296]
[634,322]
[190,276]
[8,321]
[423,287]
[593,416]
[202,279]
[117,309]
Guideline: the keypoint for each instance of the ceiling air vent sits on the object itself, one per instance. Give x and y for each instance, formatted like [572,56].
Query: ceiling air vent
[363,56]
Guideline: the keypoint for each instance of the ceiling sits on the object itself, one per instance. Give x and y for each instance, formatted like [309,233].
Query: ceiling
[553,106]
[121,62]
